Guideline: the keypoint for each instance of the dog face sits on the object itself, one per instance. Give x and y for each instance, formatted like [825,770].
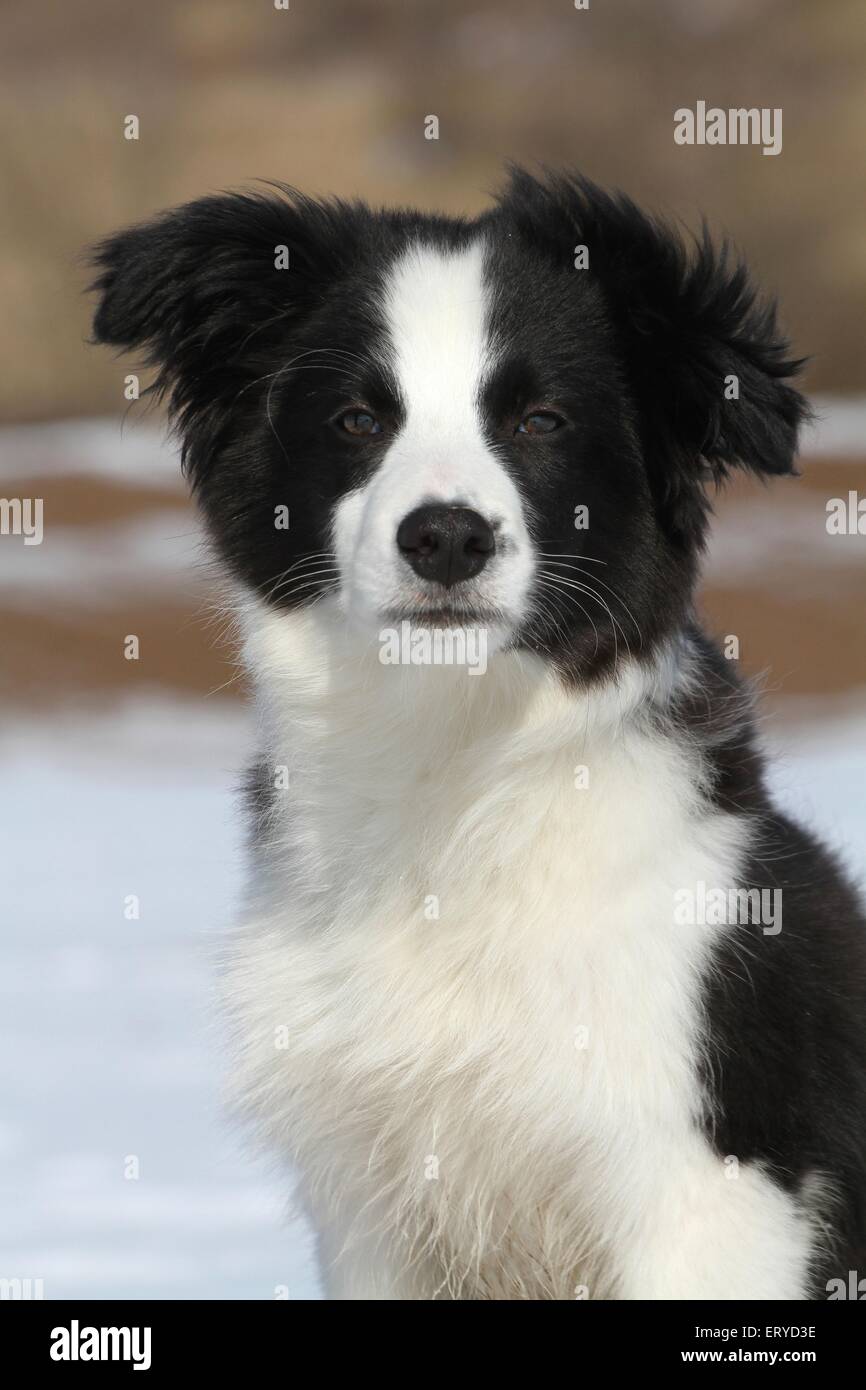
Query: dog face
[507,422]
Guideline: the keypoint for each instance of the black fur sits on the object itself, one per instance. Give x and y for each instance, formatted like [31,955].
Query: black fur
[785,1056]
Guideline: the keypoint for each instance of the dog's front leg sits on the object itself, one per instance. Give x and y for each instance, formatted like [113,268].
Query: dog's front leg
[713,1228]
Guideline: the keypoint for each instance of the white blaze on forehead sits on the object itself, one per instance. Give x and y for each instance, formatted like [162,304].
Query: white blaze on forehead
[438,348]
[435,313]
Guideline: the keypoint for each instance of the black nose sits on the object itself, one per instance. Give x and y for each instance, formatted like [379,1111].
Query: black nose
[445,544]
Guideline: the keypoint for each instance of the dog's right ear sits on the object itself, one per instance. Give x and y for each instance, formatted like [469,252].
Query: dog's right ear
[207,289]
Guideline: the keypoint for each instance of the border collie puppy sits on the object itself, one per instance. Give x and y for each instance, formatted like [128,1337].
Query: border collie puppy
[537,991]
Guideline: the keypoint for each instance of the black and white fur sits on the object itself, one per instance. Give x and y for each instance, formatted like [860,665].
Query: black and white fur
[463,1006]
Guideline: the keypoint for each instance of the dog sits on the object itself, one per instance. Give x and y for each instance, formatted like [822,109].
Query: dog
[505,996]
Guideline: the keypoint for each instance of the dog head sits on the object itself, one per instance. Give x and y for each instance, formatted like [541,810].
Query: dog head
[511,421]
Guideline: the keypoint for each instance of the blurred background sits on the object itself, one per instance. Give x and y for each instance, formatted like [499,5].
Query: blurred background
[117,777]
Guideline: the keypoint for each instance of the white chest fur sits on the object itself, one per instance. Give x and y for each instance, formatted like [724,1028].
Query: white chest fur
[463,1003]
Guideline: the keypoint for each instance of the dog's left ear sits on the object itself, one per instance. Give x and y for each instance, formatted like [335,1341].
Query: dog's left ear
[707,364]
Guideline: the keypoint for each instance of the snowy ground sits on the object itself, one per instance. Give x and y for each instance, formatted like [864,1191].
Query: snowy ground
[111,1048]
[110,1045]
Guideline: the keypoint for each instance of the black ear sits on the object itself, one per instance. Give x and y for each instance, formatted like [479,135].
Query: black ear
[208,289]
[706,361]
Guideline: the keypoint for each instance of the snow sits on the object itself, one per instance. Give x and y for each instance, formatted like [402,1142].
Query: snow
[132,450]
[112,1043]
[839,427]
[807,560]
[161,553]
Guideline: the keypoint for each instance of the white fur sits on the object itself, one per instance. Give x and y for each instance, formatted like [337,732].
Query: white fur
[438,348]
[454,1139]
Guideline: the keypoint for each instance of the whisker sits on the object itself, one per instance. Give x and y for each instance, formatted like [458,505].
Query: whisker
[543,579]
[585,589]
[293,584]
[611,591]
[548,616]
[313,556]
[309,584]
[569,583]
[564,555]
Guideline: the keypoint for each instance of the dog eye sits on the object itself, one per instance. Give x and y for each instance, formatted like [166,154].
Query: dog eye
[359,422]
[540,422]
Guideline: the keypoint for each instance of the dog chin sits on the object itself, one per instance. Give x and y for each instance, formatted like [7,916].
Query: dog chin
[492,628]
[483,632]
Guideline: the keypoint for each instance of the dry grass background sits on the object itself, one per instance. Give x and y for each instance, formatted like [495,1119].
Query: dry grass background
[331,95]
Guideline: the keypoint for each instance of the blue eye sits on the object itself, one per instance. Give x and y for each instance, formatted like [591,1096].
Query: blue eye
[359,423]
[540,422]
